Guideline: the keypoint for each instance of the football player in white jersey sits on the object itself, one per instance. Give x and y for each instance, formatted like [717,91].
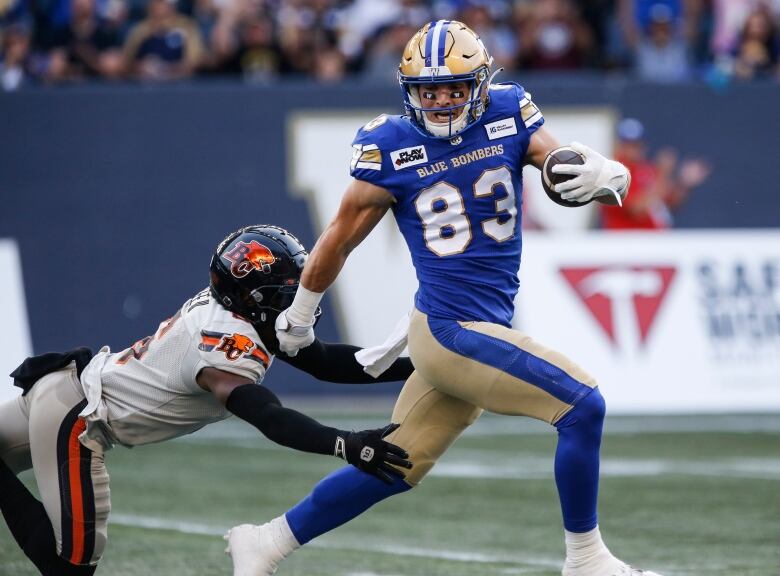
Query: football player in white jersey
[203,364]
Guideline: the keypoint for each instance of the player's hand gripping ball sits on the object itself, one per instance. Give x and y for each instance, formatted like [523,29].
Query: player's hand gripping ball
[562,155]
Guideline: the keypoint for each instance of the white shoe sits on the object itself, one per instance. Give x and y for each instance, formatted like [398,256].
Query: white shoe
[253,550]
[626,570]
[622,569]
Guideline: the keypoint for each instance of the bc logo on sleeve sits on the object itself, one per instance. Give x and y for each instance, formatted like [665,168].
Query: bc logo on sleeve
[234,346]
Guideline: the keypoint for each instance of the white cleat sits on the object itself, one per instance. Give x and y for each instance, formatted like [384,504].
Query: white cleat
[253,550]
[626,570]
[621,569]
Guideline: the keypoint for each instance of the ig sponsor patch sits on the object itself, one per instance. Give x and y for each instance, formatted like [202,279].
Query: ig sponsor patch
[501,128]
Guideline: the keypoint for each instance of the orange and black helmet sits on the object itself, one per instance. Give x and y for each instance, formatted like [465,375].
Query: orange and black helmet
[256,270]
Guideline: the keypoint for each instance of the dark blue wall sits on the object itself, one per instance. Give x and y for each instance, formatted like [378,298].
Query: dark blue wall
[117,195]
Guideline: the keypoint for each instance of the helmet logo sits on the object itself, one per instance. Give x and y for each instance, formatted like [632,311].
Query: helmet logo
[248,257]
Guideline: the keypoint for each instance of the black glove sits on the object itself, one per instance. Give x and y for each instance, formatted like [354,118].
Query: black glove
[367,451]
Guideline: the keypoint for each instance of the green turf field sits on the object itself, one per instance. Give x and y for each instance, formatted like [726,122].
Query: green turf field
[683,496]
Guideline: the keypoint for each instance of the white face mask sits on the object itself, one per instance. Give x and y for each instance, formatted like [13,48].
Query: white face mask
[441,129]
[447,128]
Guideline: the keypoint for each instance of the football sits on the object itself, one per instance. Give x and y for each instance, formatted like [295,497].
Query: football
[562,155]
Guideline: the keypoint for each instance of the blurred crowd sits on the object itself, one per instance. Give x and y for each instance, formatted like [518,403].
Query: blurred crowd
[660,184]
[56,41]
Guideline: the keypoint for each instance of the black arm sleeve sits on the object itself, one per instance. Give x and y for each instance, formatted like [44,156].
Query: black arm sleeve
[337,363]
[261,408]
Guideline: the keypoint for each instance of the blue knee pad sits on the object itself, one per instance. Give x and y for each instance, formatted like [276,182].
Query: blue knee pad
[589,413]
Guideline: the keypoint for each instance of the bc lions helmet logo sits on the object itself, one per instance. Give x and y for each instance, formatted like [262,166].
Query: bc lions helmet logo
[235,345]
[248,257]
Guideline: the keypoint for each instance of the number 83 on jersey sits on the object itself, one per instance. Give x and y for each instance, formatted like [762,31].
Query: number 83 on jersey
[446,225]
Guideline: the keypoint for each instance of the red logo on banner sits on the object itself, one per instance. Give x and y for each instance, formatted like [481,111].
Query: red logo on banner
[622,296]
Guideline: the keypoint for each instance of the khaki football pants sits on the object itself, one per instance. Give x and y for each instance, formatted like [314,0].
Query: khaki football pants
[468,367]
[40,431]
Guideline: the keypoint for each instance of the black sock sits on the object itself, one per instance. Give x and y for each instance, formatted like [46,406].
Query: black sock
[30,526]
[22,511]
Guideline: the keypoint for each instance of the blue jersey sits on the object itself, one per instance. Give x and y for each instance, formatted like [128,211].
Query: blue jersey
[457,203]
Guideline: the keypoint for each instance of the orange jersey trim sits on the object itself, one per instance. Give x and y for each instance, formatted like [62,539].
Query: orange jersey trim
[76,495]
[258,353]
[210,341]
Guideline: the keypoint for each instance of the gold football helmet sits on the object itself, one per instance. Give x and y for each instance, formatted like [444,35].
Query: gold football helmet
[442,52]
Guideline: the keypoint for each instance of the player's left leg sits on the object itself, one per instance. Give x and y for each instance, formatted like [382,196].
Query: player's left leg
[430,421]
[256,550]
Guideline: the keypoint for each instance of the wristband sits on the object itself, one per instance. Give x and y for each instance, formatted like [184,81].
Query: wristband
[305,303]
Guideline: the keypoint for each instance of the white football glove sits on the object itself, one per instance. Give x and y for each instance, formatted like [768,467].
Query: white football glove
[598,176]
[292,337]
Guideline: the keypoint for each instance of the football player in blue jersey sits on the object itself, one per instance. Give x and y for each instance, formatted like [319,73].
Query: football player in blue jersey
[450,170]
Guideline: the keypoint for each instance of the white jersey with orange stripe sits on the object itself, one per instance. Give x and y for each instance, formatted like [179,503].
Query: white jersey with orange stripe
[148,392]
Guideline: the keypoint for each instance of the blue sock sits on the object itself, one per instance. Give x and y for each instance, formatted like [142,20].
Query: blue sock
[336,499]
[577,462]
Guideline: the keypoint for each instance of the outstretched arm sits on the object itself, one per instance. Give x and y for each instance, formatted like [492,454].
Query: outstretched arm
[337,363]
[260,407]
[361,209]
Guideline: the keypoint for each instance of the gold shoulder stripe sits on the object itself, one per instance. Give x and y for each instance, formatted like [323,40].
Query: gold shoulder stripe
[528,111]
[533,119]
[371,156]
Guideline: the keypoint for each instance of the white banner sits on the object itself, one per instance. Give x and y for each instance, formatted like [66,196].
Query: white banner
[667,322]
[15,343]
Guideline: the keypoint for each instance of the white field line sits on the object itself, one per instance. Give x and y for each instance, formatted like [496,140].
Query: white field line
[452,555]
[187,527]
[536,468]
[511,571]
[153,523]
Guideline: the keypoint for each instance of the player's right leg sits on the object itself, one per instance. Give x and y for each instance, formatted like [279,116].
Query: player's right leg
[507,372]
[15,434]
[19,507]
[65,534]
[430,422]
